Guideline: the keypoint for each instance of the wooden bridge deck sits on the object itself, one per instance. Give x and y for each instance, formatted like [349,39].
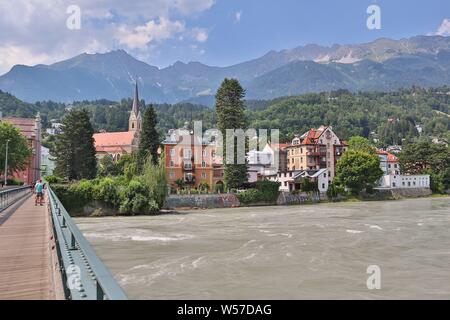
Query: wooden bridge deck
[26,254]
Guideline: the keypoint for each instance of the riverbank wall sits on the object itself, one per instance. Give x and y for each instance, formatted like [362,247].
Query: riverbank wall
[202,201]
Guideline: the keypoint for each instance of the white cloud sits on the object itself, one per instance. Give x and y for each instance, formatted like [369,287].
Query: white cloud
[153,30]
[237,16]
[34,31]
[444,28]
[201,35]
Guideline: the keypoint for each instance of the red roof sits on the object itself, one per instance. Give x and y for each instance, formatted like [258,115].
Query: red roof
[109,139]
[382,152]
[392,158]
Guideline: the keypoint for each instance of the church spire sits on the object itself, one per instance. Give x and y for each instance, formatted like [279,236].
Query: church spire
[135,121]
[136,100]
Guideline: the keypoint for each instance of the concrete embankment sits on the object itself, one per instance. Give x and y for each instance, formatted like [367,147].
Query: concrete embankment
[202,201]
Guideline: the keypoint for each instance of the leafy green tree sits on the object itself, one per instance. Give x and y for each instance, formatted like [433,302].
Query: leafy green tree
[18,150]
[154,178]
[74,148]
[149,141]
[359,143]
[425,157]
[230,111]
[108,167]
[357,169]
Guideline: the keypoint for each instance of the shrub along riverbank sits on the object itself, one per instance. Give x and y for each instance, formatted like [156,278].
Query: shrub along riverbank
[140,194]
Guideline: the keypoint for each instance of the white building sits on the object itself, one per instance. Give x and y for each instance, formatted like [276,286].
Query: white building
[266,162]
[292,180]
[47,164]
[405,181]
[392,177]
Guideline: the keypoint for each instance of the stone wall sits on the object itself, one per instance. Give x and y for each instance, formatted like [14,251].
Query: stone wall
[202,201]
[286,198]
[410,192]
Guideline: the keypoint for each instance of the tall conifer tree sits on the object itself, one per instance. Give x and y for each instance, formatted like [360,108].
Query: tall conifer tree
[74,148]
[231,115]
[149,143]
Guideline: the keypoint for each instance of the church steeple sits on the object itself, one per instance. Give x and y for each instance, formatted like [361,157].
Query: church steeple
[135,108]
[135,121]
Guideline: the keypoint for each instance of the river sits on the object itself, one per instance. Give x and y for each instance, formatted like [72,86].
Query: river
[317,251]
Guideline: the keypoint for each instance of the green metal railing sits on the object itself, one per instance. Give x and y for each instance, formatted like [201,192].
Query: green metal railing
[10,196]
[84,275]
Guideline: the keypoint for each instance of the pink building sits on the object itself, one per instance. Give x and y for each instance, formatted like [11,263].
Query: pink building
[31,129]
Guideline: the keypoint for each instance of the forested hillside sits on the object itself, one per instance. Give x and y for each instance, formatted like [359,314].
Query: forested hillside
[386,117]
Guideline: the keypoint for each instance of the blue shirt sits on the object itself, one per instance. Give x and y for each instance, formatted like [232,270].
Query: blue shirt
[39,187]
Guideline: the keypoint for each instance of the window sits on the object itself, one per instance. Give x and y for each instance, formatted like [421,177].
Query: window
[172,164]
[323,185]
[203,164]
[172,152]
[204,153]
[324,174]
[213,154]
[172,175]
[188,166]
[187,153]
[203,175]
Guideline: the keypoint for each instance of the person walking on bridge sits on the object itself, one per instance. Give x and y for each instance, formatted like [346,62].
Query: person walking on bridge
[39,190]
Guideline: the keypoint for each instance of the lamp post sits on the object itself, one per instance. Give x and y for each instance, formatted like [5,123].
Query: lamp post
[6,163]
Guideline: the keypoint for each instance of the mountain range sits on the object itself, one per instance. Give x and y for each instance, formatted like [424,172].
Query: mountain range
[381,65]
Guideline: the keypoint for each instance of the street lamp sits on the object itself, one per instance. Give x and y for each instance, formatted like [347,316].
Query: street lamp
[6,163]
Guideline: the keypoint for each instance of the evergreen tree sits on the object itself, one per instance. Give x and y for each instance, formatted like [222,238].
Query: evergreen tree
[231,115]
[149,143]
[74,148]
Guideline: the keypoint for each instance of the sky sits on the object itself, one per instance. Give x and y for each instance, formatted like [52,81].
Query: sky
[214,32]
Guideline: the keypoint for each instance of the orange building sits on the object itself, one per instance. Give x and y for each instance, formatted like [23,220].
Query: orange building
[316,149]
[117,144]
[31,129]
[191,160]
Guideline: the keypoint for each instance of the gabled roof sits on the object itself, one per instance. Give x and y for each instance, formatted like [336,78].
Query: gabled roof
[308,173]
[392,158]
[108,139]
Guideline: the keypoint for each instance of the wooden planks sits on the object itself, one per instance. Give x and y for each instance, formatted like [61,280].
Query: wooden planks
[25,254]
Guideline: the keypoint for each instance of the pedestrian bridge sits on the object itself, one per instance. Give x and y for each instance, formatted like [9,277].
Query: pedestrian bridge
[43,254]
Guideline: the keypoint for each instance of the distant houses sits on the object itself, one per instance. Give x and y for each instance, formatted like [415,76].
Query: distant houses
[311,156]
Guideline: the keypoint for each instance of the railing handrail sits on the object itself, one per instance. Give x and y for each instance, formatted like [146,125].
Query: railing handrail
[104,279]
[2,192]
[11,196]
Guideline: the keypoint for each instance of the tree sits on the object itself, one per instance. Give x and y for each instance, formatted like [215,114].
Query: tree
[356,170]
[18,150]
[154,178]
[231,115]
[108,167]
[74,148]
[149,142]
[359,143]
[428,158]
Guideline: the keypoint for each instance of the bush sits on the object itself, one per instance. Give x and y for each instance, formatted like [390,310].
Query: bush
[264,191]
[14,182]
[135,199]
[53,179]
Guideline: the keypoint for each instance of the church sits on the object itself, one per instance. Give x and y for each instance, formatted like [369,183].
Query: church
[117,144]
